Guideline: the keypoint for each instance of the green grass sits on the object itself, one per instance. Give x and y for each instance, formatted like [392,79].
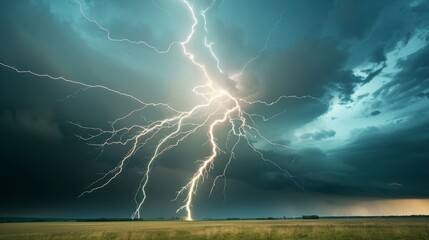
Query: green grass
[247,230]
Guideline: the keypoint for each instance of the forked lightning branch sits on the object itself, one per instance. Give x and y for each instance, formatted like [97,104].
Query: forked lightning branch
[220,109]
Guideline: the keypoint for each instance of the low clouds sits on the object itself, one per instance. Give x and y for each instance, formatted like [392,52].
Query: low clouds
[383,156]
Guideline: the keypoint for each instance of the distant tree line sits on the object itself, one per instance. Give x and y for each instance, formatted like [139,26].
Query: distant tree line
[310,217]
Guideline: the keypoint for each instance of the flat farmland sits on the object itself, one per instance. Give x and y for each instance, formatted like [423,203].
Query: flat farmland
[373,228]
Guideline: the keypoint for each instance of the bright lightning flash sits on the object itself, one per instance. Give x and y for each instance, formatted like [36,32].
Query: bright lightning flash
[220,109]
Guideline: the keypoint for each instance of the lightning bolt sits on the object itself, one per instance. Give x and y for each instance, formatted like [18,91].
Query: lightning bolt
[221,109]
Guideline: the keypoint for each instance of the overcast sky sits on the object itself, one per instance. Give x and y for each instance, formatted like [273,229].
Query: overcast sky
[358,146]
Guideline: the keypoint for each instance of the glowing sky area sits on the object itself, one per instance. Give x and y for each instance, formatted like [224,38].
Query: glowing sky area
[213,108]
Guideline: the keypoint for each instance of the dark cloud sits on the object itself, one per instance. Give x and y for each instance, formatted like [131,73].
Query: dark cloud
[389,32]
[355,19]
[344,83]
[422,94]
[287,72]
[40,125]
[420,8]
[372,73]
[375,113]
[380,157]
[378,55]
[408,82]
[320,135]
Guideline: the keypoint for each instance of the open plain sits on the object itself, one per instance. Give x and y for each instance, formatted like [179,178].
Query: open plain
[374,228]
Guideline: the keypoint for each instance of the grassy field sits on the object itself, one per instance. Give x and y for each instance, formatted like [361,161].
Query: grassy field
[247,230]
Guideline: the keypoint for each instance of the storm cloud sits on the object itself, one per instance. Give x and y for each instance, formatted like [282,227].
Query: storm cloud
[354,130]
